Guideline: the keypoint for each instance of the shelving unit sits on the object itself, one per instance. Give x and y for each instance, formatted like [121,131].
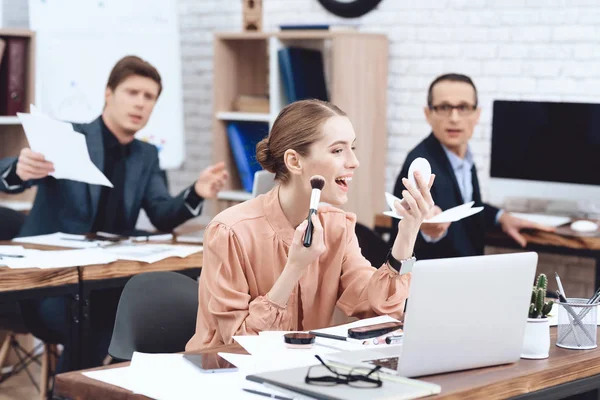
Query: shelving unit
[356,70]
[12,137]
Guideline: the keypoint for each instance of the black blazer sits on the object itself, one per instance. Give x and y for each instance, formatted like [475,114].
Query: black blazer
[465,237]
[67,206]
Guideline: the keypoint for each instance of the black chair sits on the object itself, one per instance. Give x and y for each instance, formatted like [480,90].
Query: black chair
[11,222]
[156,314]
[373,247]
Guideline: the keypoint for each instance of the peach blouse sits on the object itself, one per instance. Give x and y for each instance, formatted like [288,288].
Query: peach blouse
[245,251]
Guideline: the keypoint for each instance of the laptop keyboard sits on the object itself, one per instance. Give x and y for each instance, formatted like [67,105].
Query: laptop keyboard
[391,363]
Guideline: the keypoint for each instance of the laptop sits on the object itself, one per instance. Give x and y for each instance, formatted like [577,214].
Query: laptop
[462,313]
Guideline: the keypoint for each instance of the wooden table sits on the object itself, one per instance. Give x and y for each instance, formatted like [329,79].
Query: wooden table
[564,241]
[564,373]
[77,283]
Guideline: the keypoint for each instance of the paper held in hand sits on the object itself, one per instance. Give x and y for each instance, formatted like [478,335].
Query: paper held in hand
[450,215]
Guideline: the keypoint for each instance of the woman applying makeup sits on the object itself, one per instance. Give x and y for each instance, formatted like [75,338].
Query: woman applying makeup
[257,275]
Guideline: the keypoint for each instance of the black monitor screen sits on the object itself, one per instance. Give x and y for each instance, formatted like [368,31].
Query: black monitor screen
[543,141]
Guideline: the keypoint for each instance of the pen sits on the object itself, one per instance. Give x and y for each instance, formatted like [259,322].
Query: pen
[560,286]
[594,296]
[393,339]
[11,255]
[271,395]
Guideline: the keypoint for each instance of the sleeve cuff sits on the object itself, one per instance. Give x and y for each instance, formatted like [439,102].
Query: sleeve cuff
[193,202]
[498,215]
[429,239]
[10,179]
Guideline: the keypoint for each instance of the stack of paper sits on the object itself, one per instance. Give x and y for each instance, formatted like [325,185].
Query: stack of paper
[450,215]
[170,376]
[62,146]
[59,258]
[150,252]
[60,239]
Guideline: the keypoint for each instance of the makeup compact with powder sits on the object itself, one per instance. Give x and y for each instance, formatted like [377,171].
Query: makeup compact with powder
[299,340]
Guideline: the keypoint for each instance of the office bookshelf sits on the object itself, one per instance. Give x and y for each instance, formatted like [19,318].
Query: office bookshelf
[12,137]
[356,69]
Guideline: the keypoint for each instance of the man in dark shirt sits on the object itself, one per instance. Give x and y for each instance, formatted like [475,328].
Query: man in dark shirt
[67,206]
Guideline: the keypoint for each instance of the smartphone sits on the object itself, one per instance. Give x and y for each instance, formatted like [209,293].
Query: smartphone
[371,331]
[210,363]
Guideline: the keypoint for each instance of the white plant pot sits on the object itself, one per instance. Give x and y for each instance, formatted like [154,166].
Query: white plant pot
[536,343]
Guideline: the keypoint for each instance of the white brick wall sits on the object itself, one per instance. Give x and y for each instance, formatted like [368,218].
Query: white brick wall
[513,49]
[527,49]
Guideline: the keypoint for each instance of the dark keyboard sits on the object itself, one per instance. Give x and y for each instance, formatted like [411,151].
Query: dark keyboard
[391,363]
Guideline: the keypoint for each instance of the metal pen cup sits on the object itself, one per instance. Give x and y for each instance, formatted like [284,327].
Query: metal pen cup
[577,324]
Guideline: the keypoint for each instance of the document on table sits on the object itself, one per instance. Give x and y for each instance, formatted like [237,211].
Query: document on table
[64,147]
[60,239]
[59,258]
[12,251]
[171,376]
[450,215]
[150,252]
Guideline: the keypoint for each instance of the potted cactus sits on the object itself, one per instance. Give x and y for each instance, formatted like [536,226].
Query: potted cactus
[536,343]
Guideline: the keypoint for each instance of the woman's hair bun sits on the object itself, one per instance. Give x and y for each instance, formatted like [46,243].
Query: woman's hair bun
[264,156]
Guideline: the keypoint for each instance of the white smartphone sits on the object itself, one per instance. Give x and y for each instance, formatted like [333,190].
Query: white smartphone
[210,363]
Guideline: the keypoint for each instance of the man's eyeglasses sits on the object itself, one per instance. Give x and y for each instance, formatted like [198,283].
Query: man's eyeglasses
[326,375]
[445,110]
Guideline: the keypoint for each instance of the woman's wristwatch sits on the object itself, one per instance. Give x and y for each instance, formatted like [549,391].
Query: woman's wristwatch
[402,266]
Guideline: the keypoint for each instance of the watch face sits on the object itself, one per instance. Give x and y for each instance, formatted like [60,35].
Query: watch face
[349,8]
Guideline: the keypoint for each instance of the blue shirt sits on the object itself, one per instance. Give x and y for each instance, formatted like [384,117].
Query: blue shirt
[462,171]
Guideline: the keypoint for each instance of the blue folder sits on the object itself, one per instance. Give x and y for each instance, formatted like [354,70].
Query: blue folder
[243,137]
[302,74]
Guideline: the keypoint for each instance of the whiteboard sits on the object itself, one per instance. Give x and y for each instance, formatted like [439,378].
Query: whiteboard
[78,43]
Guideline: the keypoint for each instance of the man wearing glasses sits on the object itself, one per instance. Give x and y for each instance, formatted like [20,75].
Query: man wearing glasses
[452,112]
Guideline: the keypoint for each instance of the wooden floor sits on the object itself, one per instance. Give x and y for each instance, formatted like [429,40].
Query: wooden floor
[20,387]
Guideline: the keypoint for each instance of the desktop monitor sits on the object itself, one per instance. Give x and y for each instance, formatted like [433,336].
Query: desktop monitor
[546,150]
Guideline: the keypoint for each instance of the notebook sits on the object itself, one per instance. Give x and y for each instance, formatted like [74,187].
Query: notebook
[393,387]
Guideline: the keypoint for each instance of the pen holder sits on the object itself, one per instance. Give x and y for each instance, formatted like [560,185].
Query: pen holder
[577,324]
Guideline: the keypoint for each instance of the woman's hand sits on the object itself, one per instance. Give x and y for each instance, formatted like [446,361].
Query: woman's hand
[300,257]
[417,204]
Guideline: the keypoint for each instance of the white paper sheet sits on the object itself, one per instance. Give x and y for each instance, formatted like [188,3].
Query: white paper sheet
[60,259]
[64,147]
[543,219]
[60,239]
[453,214]
[121,377]
[12,251]
[170,376]
[151,252]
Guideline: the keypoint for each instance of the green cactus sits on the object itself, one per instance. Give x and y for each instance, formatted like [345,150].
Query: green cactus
[538,307]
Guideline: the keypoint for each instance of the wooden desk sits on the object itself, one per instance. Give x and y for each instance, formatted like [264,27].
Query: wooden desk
[547,242]
[28,279]
[77,283]
[566,372]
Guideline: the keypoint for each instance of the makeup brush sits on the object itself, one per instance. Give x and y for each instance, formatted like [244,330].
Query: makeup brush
[316,182]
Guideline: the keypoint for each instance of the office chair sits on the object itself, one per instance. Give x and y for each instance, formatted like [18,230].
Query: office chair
[373,247]
[156,314]
[263,182]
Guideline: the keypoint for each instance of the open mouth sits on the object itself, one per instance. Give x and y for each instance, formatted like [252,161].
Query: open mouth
[343,182]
